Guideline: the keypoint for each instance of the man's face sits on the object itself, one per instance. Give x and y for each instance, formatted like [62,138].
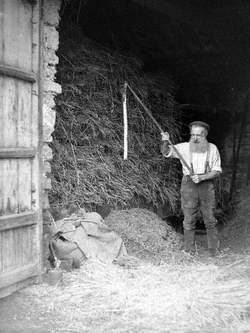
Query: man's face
[198,134]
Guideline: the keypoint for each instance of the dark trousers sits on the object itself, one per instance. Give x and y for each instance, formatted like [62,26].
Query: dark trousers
[195,198]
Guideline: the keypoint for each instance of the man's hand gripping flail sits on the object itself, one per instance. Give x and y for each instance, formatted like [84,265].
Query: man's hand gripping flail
[165,136]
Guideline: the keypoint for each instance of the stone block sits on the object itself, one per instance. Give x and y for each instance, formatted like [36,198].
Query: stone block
[46,183]
[52,87]
[51,38]
[45,201]
[50,57]
[49,117]
[46,168]
[50,72]
[51,12]
[49,99]
[47,153]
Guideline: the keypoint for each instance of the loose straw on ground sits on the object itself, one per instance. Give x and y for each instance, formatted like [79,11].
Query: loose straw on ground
[173,297]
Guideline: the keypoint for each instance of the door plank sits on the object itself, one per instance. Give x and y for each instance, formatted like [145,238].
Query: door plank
[16,190]
[1,31]
[17,34]
[17,220]
[9,200]
[18,274]
[9,104]
[17,152]
[8,245]
[18,247]
[17,73]
[24,128]
[24,35]
[17,116]
[1,253]
[24,185]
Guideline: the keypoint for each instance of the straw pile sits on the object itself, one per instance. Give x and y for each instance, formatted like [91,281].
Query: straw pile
[174,297]
[88,168]
[145,235]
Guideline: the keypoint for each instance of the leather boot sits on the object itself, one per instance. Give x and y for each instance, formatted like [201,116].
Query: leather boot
[212,241]
[189,240]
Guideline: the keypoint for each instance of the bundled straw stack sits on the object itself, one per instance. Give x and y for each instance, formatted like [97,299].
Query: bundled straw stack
[88,167]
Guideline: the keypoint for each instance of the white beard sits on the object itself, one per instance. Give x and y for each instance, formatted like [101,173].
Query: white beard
[200,147]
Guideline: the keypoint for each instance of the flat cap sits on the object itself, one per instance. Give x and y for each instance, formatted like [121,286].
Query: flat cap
[200,124]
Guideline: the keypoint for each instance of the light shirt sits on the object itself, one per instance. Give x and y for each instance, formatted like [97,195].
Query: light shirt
[198,159]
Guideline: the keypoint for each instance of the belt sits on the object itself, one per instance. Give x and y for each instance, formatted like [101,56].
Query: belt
[188,178]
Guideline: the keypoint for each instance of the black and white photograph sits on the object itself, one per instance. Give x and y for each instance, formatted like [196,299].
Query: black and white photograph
[124,166]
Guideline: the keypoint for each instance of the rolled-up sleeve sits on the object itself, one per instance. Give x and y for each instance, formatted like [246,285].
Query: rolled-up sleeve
[216,160]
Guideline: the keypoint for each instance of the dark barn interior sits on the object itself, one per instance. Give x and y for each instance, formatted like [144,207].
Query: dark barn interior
[201,45]
[195,55]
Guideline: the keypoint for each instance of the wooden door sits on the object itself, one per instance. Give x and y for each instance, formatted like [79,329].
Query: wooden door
[20,211]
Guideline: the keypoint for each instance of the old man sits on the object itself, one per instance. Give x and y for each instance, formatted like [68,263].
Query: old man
[197,187]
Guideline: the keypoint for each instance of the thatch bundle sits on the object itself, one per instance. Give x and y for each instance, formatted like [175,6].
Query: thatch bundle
[145,234]
[88,167]
[174,297]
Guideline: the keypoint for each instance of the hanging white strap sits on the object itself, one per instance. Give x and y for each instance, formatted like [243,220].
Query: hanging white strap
[125,123]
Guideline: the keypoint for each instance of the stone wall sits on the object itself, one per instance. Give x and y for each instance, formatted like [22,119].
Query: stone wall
[51,89]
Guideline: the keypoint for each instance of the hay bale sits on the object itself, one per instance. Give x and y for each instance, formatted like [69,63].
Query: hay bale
[144,233]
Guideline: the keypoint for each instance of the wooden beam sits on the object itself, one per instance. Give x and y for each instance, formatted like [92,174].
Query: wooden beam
[17,152]
[42,195]
[17,220]
[6,291]
[17,73]
[21,273]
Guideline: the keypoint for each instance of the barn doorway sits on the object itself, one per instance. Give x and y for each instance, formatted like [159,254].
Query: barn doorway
[183,69]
